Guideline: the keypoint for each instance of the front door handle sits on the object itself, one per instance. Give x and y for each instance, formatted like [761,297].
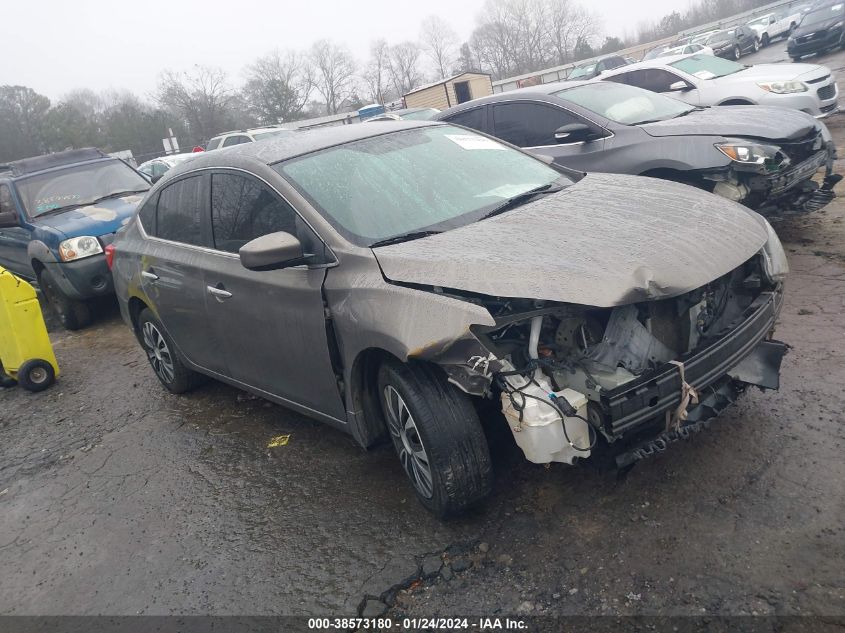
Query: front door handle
[219,293]
[148,275]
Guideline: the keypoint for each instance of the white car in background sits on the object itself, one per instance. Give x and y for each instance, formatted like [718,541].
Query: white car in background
[677,49]
[774,25]
[157,167]
[227,139]
[704,80]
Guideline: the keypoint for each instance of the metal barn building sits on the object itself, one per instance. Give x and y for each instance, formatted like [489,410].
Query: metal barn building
[450,91]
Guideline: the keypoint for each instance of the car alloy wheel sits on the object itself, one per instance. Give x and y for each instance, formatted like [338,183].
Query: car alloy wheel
[737,53]
[409,445]
[158,353]
[756,45]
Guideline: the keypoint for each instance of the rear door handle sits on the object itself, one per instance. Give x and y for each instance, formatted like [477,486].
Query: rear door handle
[148,275]
[219,292]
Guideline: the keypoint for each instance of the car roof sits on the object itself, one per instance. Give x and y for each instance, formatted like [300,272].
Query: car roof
[36,164]
[297,143]
[519,93]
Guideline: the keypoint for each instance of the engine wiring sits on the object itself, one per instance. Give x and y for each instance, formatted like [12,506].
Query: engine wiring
[560,404]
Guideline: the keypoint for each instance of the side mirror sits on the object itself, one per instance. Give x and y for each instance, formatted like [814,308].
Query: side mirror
[574,132]
[772,20]
[8,220]
[679,86]
[271,252]
[155,179]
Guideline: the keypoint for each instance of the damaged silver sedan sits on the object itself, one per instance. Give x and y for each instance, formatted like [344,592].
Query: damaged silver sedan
[391,280]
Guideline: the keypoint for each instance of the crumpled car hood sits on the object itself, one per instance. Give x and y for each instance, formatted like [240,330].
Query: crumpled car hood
[743,121]
[608,240]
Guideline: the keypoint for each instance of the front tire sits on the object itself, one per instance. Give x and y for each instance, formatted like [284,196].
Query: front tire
[72,314]
[163,356]
[765,41]
[437,436]
[737,52]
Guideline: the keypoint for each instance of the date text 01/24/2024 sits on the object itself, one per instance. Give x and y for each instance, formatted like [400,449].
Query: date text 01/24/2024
[414,624]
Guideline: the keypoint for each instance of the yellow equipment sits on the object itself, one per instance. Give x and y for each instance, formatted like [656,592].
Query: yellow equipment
[25,350]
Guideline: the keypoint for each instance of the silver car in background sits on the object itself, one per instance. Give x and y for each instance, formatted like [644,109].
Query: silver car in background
[704,80]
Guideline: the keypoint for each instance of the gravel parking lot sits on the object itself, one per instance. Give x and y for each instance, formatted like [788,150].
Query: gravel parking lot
[119,498]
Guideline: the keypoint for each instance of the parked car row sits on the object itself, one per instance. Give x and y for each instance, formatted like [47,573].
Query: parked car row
[540,250]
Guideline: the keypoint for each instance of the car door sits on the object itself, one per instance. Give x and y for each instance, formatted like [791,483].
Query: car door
[746,37]
[14,240]
[172,268]
[270,325]
[531,125]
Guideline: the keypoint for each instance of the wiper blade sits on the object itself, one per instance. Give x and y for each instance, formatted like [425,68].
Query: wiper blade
[405,237]
[88,204]
[522,198]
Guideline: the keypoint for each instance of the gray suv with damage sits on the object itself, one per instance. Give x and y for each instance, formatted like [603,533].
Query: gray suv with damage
[391,279]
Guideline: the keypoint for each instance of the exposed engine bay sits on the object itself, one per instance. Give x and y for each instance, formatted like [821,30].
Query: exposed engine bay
[561,369]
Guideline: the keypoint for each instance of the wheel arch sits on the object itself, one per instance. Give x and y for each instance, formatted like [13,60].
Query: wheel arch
[736,101]
[366,419]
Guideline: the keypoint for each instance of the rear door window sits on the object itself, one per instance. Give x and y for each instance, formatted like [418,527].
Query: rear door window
[213,144]
[178,214]
[654,79]
[7,205]
[529,123]
[236,140]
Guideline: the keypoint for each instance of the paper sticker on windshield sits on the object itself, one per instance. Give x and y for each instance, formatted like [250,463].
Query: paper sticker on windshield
[470,141]
[704,74]
[836,7]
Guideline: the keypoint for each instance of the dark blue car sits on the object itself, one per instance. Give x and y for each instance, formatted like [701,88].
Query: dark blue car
[57,214]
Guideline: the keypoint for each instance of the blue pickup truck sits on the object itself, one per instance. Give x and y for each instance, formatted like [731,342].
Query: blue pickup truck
[58,212]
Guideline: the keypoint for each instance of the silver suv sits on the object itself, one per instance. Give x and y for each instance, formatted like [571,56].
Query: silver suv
[228,139]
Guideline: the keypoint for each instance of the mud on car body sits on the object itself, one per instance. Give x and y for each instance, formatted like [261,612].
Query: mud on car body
[388,280]
[57,214]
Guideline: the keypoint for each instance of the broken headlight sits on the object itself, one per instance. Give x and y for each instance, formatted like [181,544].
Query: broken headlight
[764,157]
[783,87]
[775,264]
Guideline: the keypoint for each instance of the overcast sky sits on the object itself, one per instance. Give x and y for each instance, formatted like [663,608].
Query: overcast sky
[55,46]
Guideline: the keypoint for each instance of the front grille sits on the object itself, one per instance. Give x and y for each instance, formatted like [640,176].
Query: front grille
[826,92]
[819,80]
[829,108]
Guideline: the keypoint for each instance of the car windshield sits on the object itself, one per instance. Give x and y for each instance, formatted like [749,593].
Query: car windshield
[625,104]
[707,66]
[582,71]
[823,14]
[423,179]
[78,185]
[261,136]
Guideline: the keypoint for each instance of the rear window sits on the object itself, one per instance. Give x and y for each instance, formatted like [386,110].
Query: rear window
[213,143]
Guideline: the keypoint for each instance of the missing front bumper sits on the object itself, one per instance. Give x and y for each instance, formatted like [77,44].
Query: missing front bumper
[761,368]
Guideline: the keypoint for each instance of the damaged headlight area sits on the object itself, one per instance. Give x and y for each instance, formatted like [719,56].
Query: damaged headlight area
[775,264]
[754,156]
[568,375]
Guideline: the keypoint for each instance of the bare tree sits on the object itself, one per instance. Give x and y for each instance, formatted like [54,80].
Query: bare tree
[569,24]
[440,43]
[404,66]
[202,97]
[334,73]
[376,74]
[278,86]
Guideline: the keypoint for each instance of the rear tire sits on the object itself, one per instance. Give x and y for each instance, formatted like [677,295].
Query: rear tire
[36,375]
[437,435]
[72,314]
[164,357]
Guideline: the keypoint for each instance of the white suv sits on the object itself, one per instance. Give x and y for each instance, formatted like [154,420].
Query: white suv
[228,139]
